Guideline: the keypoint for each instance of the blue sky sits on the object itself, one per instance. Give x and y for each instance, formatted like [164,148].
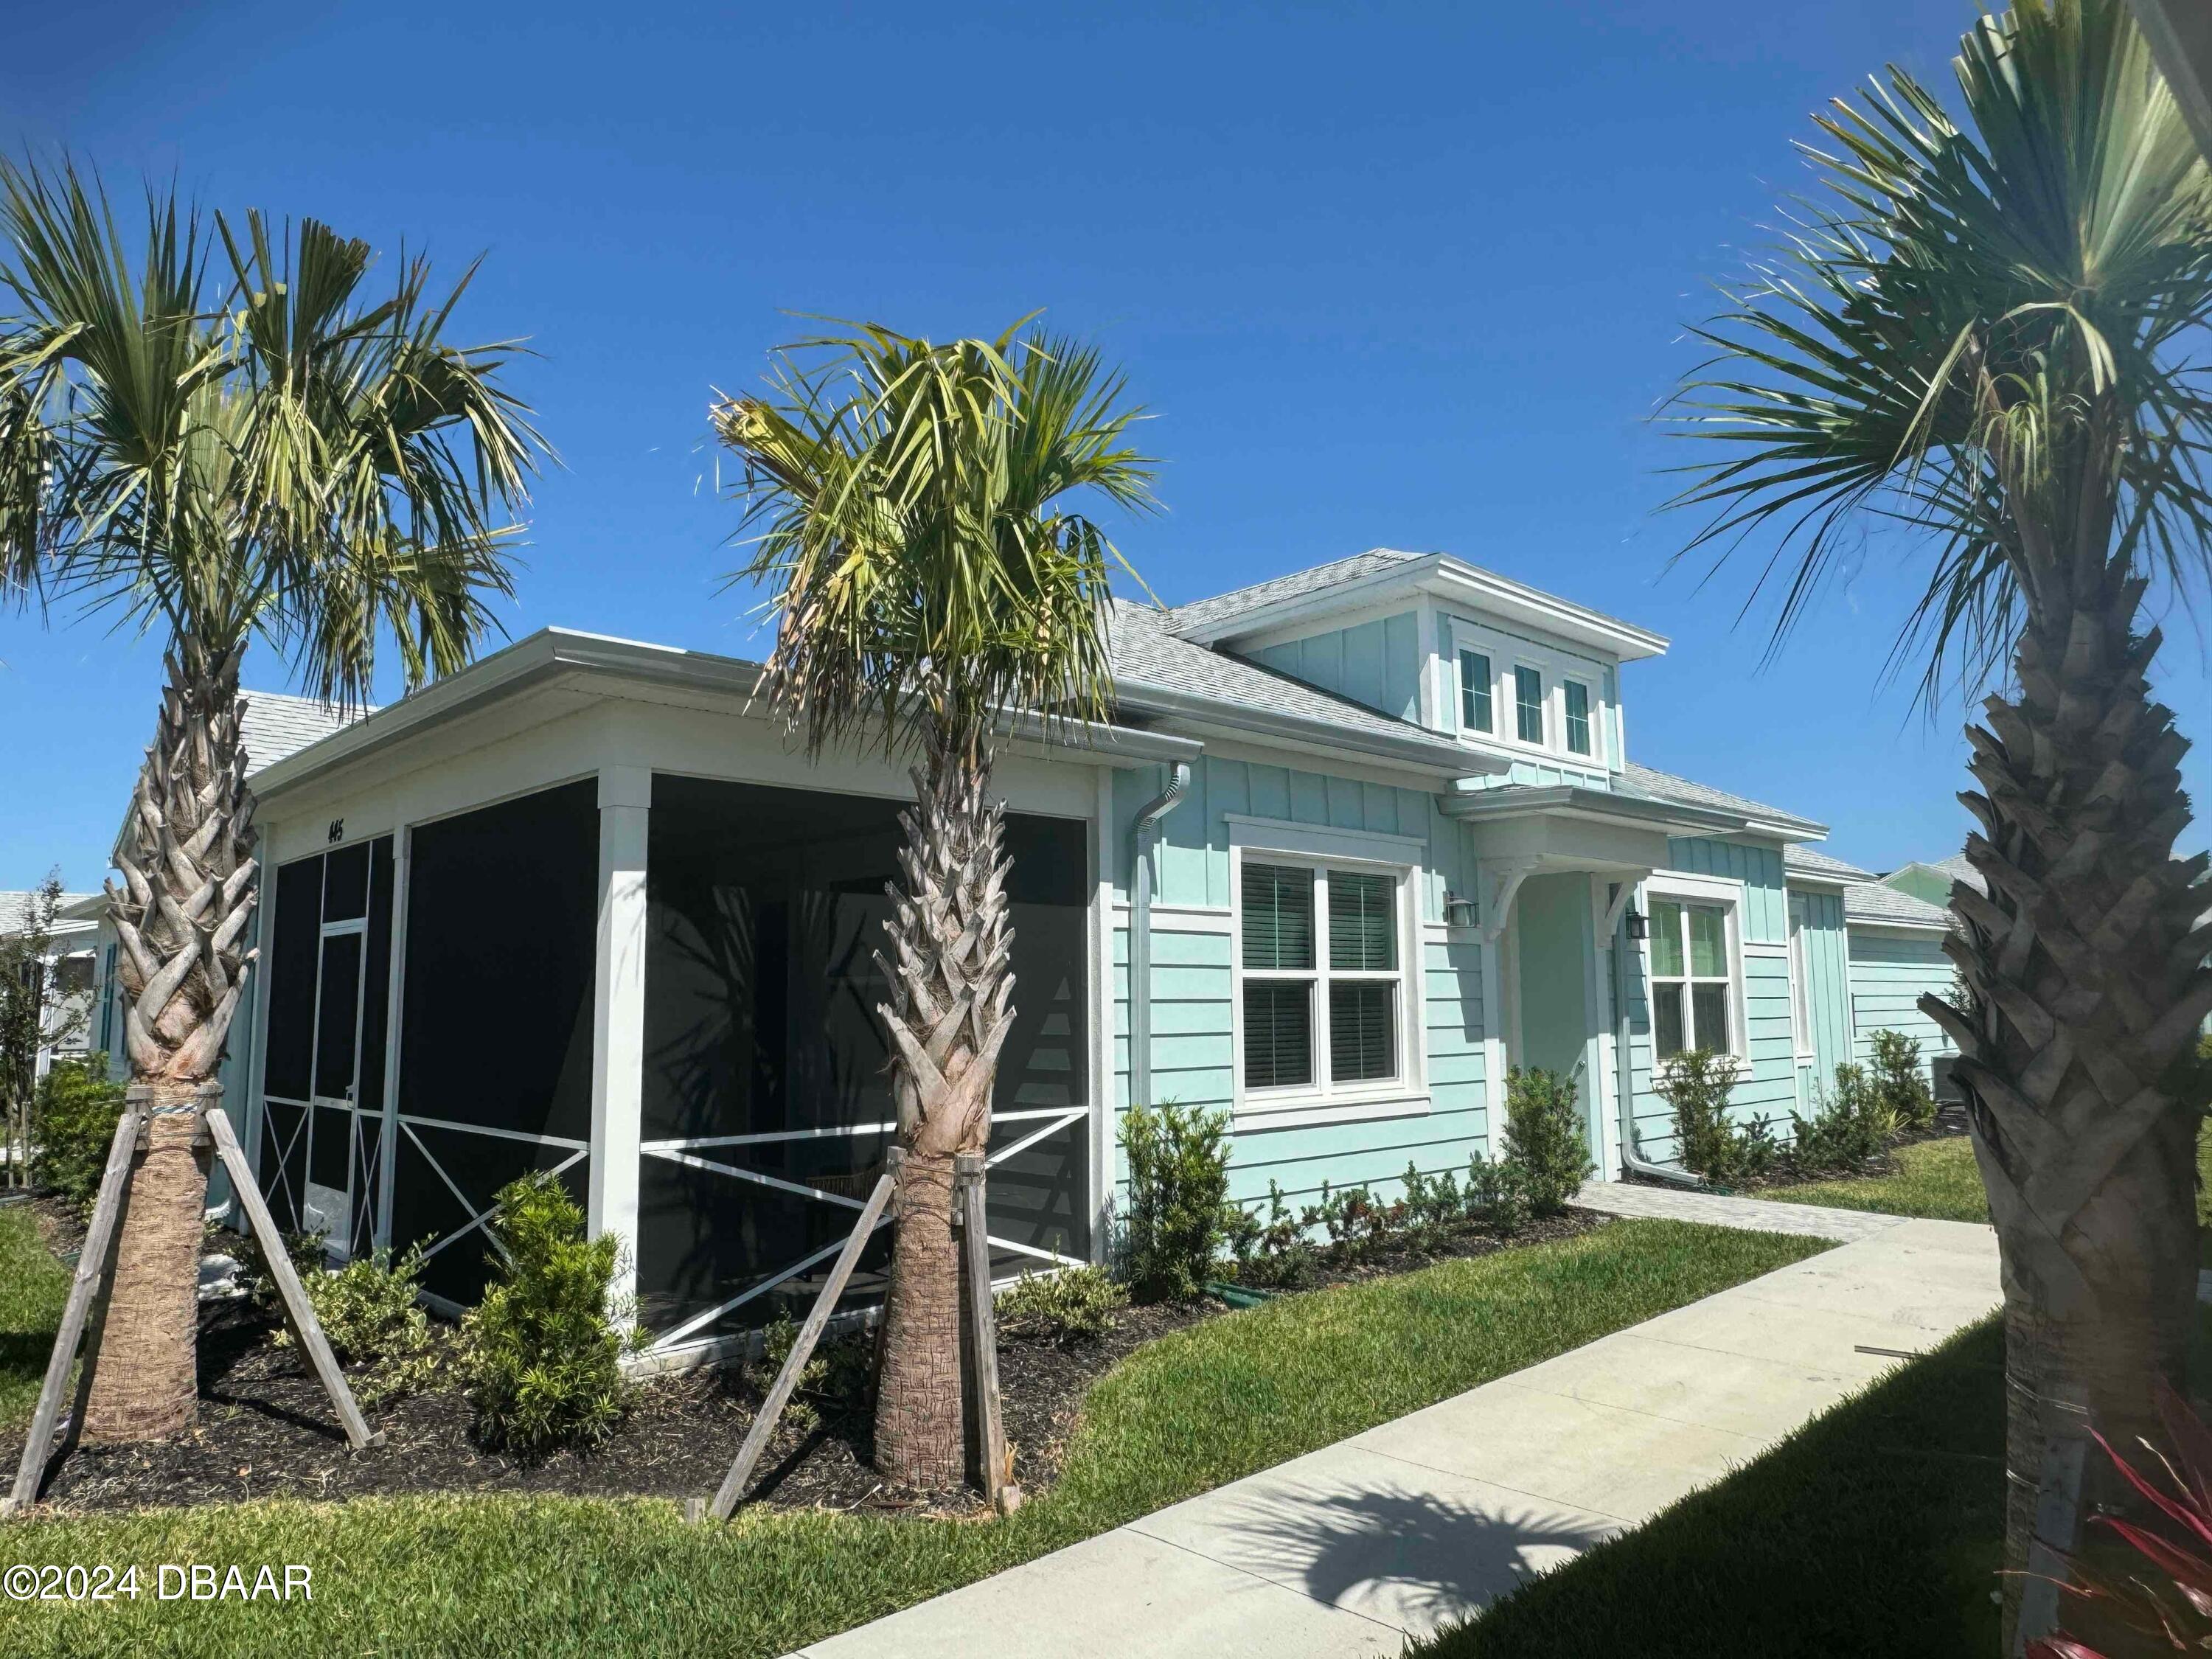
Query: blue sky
[1387,275]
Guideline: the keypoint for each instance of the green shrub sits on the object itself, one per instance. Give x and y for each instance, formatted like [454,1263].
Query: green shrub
[1275,1253]
[1544,1136]
[1178,1182]
[1435,1209]
[840,1373]
[1072,1305]
[1900,1084]
[1848,1128]
[74,1125]
[367,1310]
[543,1357]
[1358,1227]
[1699,1083]
[1497,1194]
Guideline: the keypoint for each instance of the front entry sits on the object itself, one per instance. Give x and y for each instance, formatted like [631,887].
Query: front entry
[1552,1024]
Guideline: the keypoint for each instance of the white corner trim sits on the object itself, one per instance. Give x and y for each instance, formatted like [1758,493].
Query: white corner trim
[1250,1120]
[1323,841]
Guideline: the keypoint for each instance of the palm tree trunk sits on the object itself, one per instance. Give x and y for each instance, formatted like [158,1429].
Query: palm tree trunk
[2083,988]
[950,1009]
[190,882]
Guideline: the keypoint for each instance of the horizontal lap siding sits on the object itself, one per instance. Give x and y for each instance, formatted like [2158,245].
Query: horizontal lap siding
[1192,984]
[1889,973]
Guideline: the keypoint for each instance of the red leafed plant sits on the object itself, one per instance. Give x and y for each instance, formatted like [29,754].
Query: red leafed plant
[2170,1607]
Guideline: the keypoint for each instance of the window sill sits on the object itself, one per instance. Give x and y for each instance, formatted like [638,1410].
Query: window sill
[1308,1111]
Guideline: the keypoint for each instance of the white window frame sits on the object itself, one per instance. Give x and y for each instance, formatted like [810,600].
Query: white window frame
[1801,985]
[1507,652]
[1729,895]
[1319,849]
[1596,753]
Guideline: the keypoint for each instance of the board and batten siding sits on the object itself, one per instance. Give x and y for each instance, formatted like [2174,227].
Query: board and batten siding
[1890,969]
[1375,663]
[1768,1086]
[1193,1055]
[1828,994]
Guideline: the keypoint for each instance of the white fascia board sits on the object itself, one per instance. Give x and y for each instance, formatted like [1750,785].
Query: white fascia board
[1448,579]
[558,653]
[1917,929]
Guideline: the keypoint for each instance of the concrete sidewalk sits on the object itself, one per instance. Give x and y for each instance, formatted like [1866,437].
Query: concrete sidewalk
[1350,1549]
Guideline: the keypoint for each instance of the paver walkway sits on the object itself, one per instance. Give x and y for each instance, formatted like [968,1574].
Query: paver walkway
[1350,1549]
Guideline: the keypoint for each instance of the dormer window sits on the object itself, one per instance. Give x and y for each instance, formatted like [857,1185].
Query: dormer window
[1522,695]
[1475,700]
[1528,705]
[1578,725]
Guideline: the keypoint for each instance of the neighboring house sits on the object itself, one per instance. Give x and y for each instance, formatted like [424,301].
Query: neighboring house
[1355,842]
[69,966]
[1931,883]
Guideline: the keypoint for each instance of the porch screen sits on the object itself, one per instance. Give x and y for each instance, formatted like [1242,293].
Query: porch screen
[768,1105]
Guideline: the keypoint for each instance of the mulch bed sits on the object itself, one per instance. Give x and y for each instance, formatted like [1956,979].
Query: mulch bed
[266,1429]
[1950,1123]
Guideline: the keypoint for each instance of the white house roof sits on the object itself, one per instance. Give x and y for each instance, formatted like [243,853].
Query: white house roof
[1810,861]
[1666,786]
[278,724]
[1875,905]
[1156,673]
[16,911]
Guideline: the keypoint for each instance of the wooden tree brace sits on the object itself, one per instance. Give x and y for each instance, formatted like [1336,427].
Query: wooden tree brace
[997,1465]
[802,1350]
[299,1312]
[94,1275]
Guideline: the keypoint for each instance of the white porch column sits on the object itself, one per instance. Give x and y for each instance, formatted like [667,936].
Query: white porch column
[618,1011]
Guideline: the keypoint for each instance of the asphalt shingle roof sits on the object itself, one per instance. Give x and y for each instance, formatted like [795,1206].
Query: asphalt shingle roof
[15,909]
[1872,902]
[1667,786]
[1201,611]
[279,724]
[1148,654]
[1806,860]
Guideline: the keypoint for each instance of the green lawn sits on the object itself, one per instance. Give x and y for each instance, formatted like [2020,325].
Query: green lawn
[557,1576]
[1873,1529]
[33,1287]
[1939,1178]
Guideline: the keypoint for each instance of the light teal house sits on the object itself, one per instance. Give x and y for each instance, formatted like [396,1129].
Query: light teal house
[1355,843]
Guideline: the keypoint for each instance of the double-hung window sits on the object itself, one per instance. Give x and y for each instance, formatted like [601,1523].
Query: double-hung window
[1323,977]
[1692,978]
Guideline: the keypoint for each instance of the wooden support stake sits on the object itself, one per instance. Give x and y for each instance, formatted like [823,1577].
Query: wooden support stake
[757,1439]
[94,1277]
[968,1176]
[299,1313]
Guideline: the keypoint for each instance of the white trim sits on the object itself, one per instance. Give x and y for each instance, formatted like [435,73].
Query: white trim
[1402,858]
[625,803]
[1105,847]
[1317,840]
[1507,652]
[1258,1118]
[1765,947]
[1201,918]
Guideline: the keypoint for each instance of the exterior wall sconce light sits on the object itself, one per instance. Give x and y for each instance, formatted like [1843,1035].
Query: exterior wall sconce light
[1460,912]
[1639,926]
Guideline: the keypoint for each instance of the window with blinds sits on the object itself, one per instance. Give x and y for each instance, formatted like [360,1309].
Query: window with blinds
[1310,1013]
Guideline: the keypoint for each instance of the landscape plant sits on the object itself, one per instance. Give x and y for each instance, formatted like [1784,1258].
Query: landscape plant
[1072,1305]
[1848,1129]
[75,1115]
[214,439]
[1984,344]
[908,508]
[370,1310]
[1901,1083]
[1178,1165]
[1544,1137]
[1699,1086]
[542,1352]
[1277,1252]
[35,1016]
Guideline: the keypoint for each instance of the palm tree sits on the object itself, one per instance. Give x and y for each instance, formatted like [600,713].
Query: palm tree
[273,456]
[928,583]
[1982,343]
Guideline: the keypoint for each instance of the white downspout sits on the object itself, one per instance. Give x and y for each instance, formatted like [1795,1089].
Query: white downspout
[1624,1063]
[1144,843]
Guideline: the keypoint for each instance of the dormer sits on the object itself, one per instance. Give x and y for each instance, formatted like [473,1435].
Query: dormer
[1528,682]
